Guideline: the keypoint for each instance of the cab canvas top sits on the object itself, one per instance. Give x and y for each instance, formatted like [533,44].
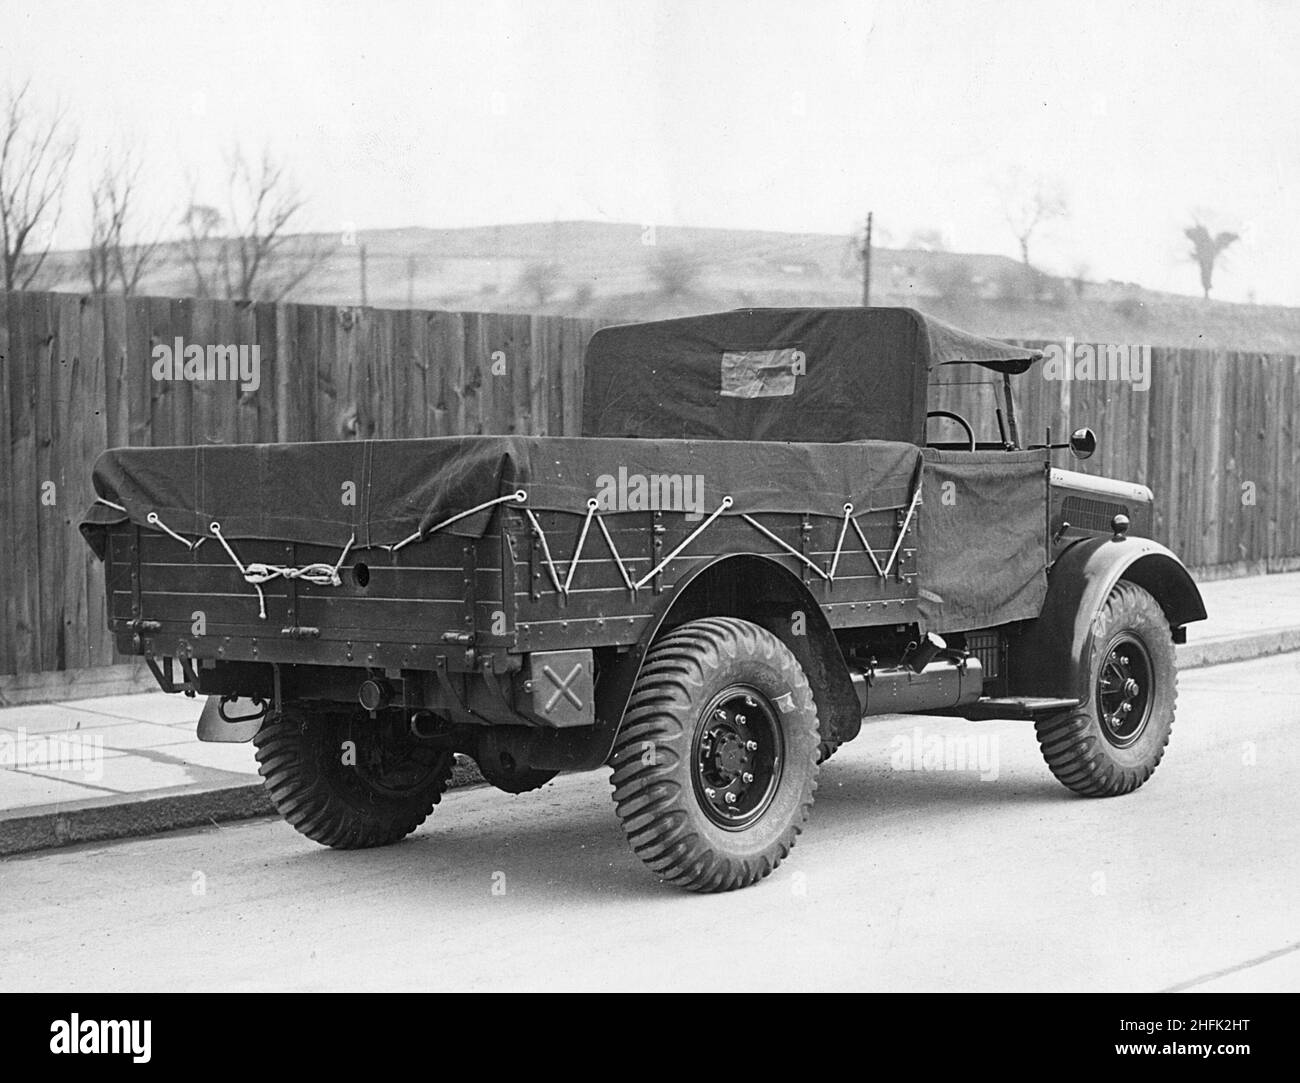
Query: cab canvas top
[800,374]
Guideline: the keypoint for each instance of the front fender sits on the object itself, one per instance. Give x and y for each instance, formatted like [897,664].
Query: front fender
[1050,656]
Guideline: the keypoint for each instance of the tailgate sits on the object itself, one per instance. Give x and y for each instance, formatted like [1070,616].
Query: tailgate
[389,609]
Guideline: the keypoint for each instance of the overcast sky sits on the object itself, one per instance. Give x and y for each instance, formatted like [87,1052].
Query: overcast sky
[796,115]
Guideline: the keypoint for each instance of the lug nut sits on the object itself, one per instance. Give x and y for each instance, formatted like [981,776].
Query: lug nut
[746,776]
[740,718]
[751,746]
[749,701]
[711,793]
[730,798]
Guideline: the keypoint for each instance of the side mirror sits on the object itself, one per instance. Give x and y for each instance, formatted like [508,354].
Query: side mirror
[1083,442]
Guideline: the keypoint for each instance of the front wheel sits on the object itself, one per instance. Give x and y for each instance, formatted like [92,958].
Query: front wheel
[1112,743]
[716,763]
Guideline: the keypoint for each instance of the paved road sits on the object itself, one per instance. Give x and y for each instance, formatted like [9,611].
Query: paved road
[906,879]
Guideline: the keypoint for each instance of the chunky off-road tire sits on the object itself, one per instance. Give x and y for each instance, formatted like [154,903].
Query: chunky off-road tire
[1112,743]
[721,707]
[826,749]
[347,780]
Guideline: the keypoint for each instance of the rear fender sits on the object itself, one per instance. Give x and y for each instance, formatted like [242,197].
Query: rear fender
[756,589]
[1050,656]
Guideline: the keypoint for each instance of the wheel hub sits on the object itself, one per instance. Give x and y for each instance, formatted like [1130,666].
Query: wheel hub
[387,760]
[729,753]
[737,758]
[1124,691]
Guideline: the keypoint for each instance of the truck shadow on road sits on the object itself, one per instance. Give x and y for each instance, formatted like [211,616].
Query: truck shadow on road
[562,843]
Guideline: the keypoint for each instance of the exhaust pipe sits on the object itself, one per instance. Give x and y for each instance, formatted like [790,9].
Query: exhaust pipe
[374,695]
[920,655]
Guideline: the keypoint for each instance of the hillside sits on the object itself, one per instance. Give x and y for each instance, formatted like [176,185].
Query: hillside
[609,271]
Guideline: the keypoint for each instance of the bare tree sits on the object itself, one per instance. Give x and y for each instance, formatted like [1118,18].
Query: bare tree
[540,279]
[98,258]
[249,253]
[1206,250]
[35,152]
[202,224]
[111,258]
[1028,204]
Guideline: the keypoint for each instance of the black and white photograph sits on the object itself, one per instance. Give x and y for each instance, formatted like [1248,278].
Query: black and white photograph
[641,496]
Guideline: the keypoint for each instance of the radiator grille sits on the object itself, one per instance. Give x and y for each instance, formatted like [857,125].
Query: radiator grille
[1087,514]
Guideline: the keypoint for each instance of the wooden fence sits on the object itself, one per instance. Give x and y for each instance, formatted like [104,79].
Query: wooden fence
[1214,435]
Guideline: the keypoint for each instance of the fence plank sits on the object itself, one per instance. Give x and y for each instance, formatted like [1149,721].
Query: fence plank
[76,375]
[25,489]
[93,409]
[261,329]
[10,572]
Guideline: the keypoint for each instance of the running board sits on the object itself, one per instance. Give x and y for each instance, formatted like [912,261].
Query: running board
[1020,708]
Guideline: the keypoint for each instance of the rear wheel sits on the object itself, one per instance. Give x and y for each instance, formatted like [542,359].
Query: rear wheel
[716,763]
[349,781]
[1112,744]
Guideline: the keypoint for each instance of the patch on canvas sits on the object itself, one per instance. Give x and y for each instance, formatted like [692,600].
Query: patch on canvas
[761,374]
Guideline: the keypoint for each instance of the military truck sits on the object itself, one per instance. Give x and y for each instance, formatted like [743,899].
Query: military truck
[766,537]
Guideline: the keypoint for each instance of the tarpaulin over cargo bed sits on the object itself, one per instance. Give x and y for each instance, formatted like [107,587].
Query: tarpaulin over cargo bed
[982,555]
[383,491]
[805,374]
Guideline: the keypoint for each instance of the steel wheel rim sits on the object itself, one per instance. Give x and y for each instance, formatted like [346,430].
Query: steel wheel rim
[737,757]
[1125,683]
[397,767]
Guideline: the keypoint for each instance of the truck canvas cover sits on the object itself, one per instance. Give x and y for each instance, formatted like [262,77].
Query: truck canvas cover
[296,492]
[806,374]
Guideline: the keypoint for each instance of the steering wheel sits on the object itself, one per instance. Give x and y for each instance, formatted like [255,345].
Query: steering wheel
[970,433]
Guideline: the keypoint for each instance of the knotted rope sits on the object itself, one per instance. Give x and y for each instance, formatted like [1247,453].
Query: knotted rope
[257,573]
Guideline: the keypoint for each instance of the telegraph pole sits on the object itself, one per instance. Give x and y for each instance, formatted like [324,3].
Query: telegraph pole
[866,264]
[363,274]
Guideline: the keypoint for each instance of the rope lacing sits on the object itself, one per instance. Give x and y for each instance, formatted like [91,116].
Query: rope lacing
[322,574]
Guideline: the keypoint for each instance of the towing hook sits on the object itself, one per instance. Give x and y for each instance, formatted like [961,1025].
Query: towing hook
[262,708]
